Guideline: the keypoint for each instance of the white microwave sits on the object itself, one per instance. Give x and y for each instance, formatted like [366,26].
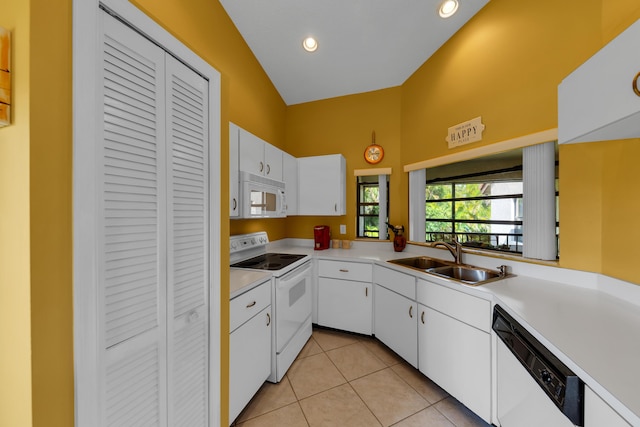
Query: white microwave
[261,197]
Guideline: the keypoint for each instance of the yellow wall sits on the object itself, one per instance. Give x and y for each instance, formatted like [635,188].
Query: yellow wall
[36,316]
[504,65]
[344,125]
[51,214]
[15,295]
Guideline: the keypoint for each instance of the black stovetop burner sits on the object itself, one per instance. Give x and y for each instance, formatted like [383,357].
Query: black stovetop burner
[269,261]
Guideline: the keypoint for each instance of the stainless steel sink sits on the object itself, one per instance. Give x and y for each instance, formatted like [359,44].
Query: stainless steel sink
[462,273]
[467,274]
[421,263]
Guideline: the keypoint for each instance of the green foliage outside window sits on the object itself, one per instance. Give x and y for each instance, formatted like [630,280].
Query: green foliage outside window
[463,209]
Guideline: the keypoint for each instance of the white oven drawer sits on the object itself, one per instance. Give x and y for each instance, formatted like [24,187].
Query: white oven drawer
[358,271]
[245,306]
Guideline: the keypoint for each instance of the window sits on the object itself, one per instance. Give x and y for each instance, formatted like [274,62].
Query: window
[503,202]
[478,212]
[372,206]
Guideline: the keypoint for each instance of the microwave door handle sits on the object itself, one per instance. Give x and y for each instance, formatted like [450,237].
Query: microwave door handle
[283,206]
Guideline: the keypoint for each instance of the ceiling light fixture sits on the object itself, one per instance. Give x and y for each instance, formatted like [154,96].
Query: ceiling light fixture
[310,44]
[448,8]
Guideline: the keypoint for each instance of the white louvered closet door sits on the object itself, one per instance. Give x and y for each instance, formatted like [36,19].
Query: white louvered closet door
[187,130]
[153,296]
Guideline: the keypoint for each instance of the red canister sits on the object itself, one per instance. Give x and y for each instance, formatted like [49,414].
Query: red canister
[321,237]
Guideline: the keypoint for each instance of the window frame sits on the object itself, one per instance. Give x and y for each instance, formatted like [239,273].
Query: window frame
[360,233]
[464,236]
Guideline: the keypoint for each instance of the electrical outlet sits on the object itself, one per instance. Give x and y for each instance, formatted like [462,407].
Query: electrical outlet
[343,229]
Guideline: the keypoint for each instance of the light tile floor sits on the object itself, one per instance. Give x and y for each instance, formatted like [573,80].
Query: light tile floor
[341,379]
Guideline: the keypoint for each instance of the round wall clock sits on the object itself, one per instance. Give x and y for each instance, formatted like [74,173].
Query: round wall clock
[373,153]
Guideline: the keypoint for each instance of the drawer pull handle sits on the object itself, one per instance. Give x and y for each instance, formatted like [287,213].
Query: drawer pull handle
[411,312]
[268,319]
[344,270]
[635,84]
[251,304]
[422,317]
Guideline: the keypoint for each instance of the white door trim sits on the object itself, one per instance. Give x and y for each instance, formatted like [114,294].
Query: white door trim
[86,129]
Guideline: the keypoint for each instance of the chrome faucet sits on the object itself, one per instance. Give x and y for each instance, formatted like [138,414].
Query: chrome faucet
[455,249]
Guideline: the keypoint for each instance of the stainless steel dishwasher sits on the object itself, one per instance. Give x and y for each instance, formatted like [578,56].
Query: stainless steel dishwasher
[534,387]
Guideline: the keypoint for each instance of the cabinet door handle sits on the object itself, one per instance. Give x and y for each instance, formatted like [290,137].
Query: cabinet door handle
[411,312]
[268,169]
[366,292]
[268,319]
[635,84]
[422,317]
[251,304]
[344,270]
[193,316]
[261,166]
[335,207]
[235,204]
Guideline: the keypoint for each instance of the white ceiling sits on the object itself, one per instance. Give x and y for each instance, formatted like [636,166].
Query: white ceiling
[364,45]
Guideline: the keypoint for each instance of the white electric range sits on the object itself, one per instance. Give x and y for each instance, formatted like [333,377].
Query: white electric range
[290,295]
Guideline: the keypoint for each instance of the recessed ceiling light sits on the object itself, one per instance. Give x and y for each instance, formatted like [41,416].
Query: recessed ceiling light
[310,44]
[448,8]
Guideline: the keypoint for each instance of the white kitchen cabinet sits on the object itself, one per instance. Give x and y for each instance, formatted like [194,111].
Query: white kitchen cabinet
[322,185]
[345,296]
[290,178]
[259,157]
[598,413]
[249,346]
[395,323]
[597,101]
[454,344]
[395,312]
[234,170]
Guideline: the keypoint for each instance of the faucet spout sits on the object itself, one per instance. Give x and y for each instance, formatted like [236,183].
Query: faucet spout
[455,249]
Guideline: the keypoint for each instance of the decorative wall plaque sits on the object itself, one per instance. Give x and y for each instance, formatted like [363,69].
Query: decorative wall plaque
[465,133]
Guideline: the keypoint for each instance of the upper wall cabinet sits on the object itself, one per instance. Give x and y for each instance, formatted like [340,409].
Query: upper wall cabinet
[322,185]
[234,176]
[290,178]
[601,99]
[259,157]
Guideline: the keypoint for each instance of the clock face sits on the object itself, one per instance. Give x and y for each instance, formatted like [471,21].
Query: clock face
[373,154]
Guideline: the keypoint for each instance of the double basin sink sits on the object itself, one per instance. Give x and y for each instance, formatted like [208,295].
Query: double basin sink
[463,273]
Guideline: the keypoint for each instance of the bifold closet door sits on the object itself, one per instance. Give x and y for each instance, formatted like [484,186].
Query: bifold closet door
[153,284]
[188,214]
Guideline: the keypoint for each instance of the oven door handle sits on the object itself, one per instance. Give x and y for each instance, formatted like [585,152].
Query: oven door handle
[292,278]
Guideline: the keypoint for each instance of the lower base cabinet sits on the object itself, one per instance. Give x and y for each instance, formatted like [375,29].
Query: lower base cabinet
[249,360]
[395,323]
[345,305]
[597,413]
[249,346]
[457,357]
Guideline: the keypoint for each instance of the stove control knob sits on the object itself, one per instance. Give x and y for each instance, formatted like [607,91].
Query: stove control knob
[545,376]
[234,245]
[253,240]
